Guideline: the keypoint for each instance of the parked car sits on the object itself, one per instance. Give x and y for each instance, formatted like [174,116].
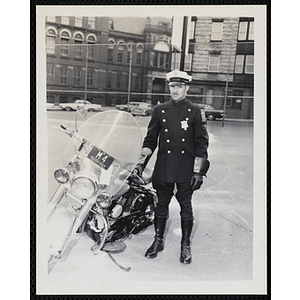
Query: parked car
[50,105]
[211,113]
[144,109]
[74,105]
[133,105]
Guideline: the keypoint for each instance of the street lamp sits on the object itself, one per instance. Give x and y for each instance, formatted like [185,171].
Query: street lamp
[130,48]
[86,71]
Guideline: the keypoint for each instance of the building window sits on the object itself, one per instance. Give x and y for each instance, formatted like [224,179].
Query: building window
[243,30]
[78,45]
[217,28]
[120,57]
[237,99]
[108,80]
[249,67]
[63,76]
[239,64]
[110,55]
[137,83]
[138,58]
[50,74]
[176,57]
[51,41]
[119,81]
[78,21]
[139,54]
[110,24]
[120,51]
[160,60]
[188,62]
[50,18]
[64,49]
[91,22]
[192,30]
[175,61]
[65,20]
[77,76]
[90,75]
[246,30]
[251,31]
[234,99]
[213,63]
[91,47]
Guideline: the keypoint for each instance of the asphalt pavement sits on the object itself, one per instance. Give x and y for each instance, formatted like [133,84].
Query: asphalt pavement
[222,237]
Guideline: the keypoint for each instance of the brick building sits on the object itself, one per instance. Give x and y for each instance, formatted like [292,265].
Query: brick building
[114,51]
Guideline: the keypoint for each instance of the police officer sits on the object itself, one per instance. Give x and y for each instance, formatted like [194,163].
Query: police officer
[181,159]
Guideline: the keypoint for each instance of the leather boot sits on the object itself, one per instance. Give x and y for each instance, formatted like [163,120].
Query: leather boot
[158,244]
[186,228]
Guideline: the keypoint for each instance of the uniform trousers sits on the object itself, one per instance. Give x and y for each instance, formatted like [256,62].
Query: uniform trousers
[165,191]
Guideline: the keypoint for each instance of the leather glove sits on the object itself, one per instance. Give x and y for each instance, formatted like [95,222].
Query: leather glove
[146,154]
[196,181]
[138,170]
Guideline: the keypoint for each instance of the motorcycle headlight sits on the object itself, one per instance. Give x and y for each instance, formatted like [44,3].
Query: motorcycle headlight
[83,187]
[62,175]
[104,200]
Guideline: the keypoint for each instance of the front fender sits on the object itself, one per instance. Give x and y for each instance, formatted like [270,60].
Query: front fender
[59,227]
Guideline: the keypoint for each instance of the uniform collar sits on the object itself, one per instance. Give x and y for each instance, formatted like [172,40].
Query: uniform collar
[178,103]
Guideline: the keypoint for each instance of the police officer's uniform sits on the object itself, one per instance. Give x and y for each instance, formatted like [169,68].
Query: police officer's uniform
[180,131]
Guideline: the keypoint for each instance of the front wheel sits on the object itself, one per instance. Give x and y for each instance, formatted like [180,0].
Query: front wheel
[210,117]
[68,108]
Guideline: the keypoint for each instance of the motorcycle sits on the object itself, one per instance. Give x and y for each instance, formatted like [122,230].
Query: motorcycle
[99,193]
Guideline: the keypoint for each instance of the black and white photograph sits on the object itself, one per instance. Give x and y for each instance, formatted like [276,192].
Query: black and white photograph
[151,150]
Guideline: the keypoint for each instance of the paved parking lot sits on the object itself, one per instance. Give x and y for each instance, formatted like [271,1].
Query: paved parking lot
[222,237]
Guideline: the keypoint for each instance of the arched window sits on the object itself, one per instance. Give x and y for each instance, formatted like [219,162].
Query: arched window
[78,45]
[64,49]
[91,46]
[51,35]
[121,45]
[111,47]
[139,54]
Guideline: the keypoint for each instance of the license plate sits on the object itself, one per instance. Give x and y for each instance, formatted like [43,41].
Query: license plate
[101,158]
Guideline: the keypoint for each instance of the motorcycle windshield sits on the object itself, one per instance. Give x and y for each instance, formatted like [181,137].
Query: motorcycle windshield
[113,135]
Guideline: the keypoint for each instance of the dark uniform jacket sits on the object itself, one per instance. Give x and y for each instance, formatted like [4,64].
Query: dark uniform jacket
[182,137]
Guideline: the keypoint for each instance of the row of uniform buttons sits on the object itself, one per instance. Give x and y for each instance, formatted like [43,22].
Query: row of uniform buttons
[169,151]
[166,130]
[183,140]
[168,141]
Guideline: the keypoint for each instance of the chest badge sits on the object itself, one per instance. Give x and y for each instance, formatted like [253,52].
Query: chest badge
[184,125]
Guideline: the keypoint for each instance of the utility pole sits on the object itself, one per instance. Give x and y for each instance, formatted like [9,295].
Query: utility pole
[86,72]
[129,79]
[226,87]
[183,43]
[225,98]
